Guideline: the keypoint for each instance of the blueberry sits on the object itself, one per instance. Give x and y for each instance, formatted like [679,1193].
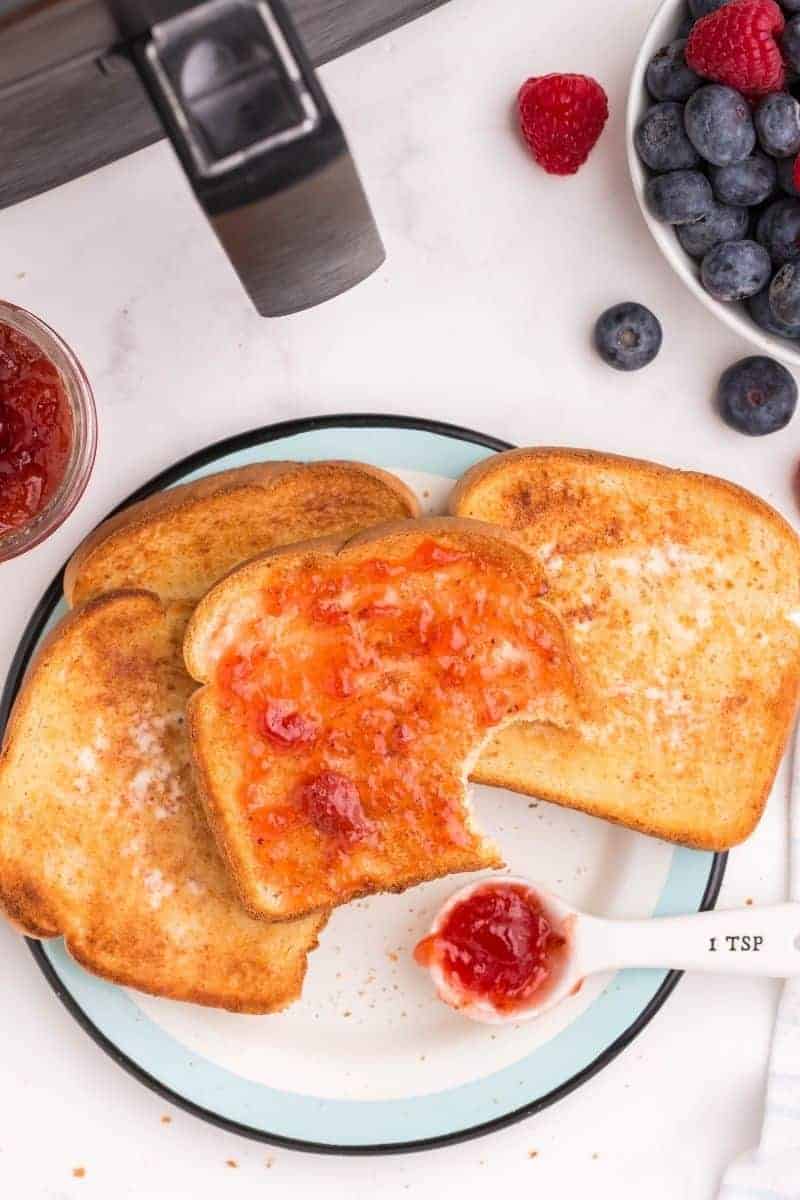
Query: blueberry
[679,196]
[735,270]
[777,122]
[778,229]
[784,294]
[722,224]
[757,395]
[748,182]
[661,139]
[785,168]
[759,308]
[790,43]
[684,26]
[790,6]
[627,336]
[668,77]
[701,8]
[719,124]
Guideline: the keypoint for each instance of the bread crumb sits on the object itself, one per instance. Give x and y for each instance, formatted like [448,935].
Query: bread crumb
[426,494]
[166,1119]
[749,900]
[595,1155]
[269,1161]
[231,1162]
[79,1172]
[347,1013]
[533,1154]
[390,954]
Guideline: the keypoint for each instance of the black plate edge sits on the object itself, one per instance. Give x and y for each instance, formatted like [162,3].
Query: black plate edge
[19,663]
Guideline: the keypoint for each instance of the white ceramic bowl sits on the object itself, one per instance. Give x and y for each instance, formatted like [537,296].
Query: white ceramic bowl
[663,29]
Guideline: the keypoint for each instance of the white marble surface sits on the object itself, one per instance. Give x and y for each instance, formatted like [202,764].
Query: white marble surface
[480,316]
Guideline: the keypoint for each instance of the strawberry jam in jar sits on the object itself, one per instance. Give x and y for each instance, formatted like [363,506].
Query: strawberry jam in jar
[48,430]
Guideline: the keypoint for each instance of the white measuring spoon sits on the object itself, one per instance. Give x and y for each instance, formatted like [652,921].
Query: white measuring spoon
[746,941]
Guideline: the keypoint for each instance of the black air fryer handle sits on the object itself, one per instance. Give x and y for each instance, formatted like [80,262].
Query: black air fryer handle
[260,144]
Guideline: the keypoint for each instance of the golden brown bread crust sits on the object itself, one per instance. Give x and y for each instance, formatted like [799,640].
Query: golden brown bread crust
[101,835]
[216,739]
[181,541]
[677,589]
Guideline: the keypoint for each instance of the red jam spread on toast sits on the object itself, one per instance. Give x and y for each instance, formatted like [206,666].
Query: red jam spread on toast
[36,432]
[333,806]
[349,681]
[497,945]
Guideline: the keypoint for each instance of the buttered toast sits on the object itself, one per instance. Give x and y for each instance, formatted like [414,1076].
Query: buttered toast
[101,835]
[348,687]
[681,595]
[181,541]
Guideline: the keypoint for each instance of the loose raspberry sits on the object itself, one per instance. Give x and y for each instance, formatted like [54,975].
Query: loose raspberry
[561,117]
[736,45]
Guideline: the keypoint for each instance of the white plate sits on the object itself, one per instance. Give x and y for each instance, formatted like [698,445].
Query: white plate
[369,1059]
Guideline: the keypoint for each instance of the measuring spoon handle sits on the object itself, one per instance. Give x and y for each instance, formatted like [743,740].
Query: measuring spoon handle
[746,941]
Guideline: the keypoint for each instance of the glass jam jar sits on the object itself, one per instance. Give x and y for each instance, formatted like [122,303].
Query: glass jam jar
[48,430]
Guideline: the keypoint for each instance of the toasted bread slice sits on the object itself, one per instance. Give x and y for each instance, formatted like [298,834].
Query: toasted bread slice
[181,541]
[102,838]
[348,689]
[681,594]
[101,834]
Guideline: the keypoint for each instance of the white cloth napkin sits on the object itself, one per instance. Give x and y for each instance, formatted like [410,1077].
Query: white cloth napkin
[772,1170]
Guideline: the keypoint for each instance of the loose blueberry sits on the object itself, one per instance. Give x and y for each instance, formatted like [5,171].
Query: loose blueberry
[757,395]
[627,336]
[759,308]
[749,182]
[735,270]
[668,77]
[784,294]
[778,229]
[719,124]
[785,169]
[790,41]
[661,139]
[684,26]
[723,223]
[679,196]
[701,8]
[777,122]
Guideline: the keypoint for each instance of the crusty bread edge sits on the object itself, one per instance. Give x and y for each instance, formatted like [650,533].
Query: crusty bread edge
[497,462]
[161,504]
[201,995]
[230,840]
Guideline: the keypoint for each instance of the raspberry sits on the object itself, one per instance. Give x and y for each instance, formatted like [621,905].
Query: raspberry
[561,117]
[736,45]
[796,174]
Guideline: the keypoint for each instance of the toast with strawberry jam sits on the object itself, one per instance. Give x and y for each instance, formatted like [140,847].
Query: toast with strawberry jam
[681,594]
[349,686]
